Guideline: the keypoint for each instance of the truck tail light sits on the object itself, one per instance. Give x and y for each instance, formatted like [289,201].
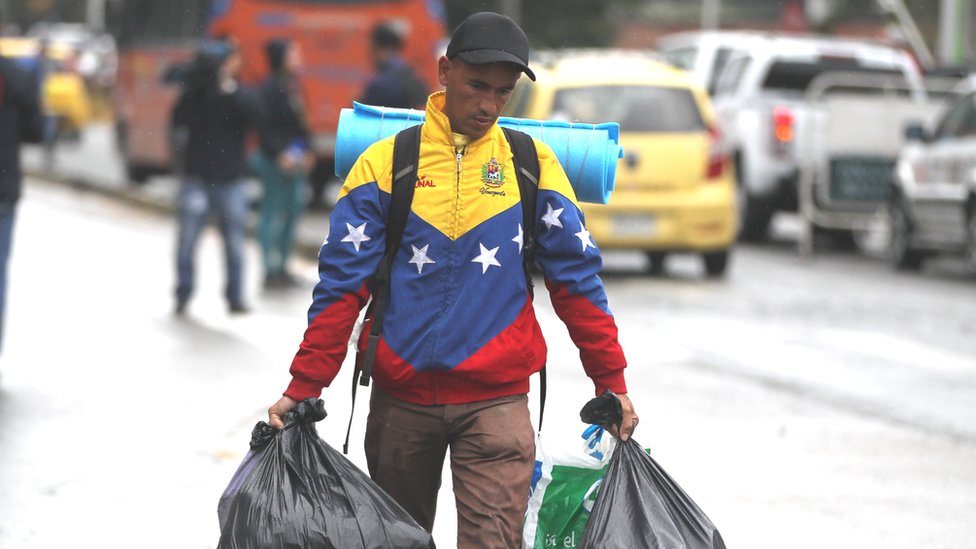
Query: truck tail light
[783,121]
[717,159]
[783,130]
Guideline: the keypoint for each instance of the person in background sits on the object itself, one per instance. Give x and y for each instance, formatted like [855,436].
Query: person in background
[44,68]
[209,124]
[395,84]
[461,338]
[20,121]
[283,160]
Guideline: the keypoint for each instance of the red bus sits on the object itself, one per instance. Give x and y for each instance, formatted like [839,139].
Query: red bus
[333,35]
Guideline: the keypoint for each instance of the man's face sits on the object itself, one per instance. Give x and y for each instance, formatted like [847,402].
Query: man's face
[475,94]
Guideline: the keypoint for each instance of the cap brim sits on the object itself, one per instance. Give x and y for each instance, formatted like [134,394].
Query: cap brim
[484,57]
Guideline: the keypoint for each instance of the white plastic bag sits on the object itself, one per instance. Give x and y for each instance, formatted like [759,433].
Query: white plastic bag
[564,488]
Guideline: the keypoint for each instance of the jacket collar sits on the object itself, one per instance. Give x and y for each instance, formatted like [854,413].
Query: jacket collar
[437,127]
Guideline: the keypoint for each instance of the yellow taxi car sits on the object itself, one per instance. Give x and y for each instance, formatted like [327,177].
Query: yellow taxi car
[65,95]
[675,186]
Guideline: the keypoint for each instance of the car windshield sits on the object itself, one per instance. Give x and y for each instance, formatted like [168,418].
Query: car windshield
[636,108]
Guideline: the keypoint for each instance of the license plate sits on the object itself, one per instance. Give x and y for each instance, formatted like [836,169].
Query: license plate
[633,225]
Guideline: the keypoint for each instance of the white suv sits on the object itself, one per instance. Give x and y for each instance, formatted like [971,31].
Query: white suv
[933,209]
[762,110]
[704,53]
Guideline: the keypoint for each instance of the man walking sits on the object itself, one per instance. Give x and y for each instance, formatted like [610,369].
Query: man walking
[461,338]
[210,121]
[20,120]
[395,83]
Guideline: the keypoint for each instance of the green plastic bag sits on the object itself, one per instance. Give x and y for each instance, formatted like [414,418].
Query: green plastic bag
[564,488]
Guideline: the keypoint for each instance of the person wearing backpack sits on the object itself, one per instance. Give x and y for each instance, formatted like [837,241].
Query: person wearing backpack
[20,121]
[395,84]
[459,336]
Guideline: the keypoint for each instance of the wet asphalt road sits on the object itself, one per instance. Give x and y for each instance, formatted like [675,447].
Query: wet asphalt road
[801,404]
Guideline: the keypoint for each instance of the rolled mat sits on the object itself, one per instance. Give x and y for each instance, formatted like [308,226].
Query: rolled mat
[587,152]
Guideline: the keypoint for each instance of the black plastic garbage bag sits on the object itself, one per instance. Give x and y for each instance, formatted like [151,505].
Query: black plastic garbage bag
[603,410]
[294,491]
[638,504]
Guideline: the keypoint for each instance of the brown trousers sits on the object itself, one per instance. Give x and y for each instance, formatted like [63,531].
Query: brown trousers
[492,445]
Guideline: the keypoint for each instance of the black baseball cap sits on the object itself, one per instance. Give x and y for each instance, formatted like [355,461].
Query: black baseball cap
[488,37]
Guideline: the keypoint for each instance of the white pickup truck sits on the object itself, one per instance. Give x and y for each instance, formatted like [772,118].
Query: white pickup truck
[762,108]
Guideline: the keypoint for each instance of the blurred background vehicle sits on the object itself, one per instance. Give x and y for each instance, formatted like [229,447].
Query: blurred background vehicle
[704,53]
[760,100]
[94,53]
[933,207]
[674,189]
[332,34]
[65,95]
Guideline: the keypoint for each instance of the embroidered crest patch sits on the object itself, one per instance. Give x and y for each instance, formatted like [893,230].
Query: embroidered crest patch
[492,173]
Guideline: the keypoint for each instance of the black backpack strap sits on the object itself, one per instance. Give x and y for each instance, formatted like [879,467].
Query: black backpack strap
[406,156]
[526,160]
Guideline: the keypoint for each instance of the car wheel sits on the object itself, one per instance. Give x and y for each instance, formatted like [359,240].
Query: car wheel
[655,262]
[137,173]
[971,242]
[716,263]
[754,213]
[900,251]
[840,240]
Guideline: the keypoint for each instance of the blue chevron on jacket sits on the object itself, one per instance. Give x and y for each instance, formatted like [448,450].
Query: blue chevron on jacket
[460,325]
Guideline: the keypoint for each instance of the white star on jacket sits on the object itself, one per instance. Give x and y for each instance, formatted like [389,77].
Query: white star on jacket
[326,241]
[551,219]
[357,235]
[420,257]
[584,237]
[487,258]
[519,239]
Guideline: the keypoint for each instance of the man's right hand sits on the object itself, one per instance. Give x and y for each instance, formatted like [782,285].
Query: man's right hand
[276,412]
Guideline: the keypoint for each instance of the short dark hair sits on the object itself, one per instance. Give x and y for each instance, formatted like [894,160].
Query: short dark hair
[385,37]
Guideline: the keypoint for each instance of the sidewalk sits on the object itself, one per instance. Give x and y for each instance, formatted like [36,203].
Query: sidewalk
[93,164]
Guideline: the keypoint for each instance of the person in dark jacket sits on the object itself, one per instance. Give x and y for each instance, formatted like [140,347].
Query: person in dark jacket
[210,122]
[283,160]
[19,114]
[395,84]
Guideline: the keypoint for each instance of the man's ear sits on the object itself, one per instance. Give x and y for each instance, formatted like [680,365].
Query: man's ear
[443,68]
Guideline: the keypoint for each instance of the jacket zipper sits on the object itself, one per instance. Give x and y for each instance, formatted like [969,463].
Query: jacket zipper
[459,153]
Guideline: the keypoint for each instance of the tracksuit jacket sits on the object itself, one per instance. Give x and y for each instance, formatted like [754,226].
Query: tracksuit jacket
[459,326]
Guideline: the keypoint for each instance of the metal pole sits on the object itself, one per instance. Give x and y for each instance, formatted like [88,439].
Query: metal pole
[513,9]
[965,49]
[711,14]
[948,30]
[908,26]
[95,14]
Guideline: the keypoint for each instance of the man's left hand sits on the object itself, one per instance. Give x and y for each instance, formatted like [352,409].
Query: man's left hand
[629,422]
